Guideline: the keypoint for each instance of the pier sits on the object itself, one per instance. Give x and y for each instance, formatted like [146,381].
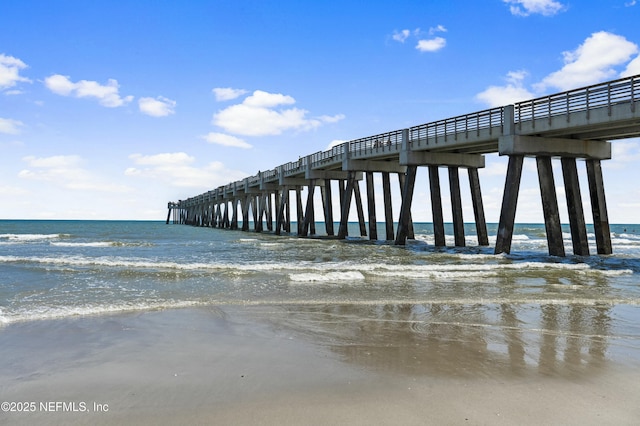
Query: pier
[572,125]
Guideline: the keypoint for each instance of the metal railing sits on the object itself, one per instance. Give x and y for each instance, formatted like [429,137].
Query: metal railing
[443,130]
[580,100]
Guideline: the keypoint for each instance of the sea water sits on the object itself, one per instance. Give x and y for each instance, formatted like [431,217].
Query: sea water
[337,290]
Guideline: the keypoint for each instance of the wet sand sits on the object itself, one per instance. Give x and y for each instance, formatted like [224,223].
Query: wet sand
[279,365]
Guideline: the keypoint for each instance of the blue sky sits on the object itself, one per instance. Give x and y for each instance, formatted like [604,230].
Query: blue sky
[109,109]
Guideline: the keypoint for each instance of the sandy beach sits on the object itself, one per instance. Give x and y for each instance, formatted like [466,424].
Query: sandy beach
[253,365]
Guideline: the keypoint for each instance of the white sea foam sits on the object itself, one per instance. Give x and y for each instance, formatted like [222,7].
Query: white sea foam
[48,312]
[31,237]
[327,277]
[315,269]
[439,301]
[92,244]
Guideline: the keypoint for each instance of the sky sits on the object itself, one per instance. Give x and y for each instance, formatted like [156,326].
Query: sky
[111,109]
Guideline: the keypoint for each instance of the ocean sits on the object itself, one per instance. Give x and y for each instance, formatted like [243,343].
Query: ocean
[134,322]
[66,269]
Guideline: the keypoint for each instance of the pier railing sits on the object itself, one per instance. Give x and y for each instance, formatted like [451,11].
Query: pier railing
[450,128]
[625,90]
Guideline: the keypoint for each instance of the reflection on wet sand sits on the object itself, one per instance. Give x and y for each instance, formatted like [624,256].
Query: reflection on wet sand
[458,340]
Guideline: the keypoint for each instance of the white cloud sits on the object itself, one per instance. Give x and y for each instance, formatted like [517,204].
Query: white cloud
[176,170]
[331,118]
[259,115]
[262,99]
[66,171]
[227,93]
[107,94]
[624,153]
[12,190]
[431,45]
[10,126]
[54,162]
[631,3]
[529,7]
[157,107]
[512,92]
[226,140]
[336,142]
[165,159]
[401,36]
[10,71]
[437,29]
[591,62]
[633,68]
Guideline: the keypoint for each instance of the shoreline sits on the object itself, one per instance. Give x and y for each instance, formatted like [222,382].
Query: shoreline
[270,365]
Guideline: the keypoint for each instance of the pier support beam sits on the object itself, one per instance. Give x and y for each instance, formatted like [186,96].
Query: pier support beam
[371,207]
[309,217]
[456,206]
[346,204]
[388,209]
[550,206]
[245,212]
[574,205]
[299,210]
[405,208]
[517,146]
[283,207]
[436,207]
[401,181]
[234,216]
[328,207]
[599,207]
[359,208]
[478,207]
[169,214]
[509,203]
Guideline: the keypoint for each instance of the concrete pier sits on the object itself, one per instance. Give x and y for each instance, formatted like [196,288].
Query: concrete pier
[574,127]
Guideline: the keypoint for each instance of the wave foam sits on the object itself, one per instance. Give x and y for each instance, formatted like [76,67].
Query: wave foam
[50,313]
[327,277]
[31,237]
[315,271]
[94,244]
